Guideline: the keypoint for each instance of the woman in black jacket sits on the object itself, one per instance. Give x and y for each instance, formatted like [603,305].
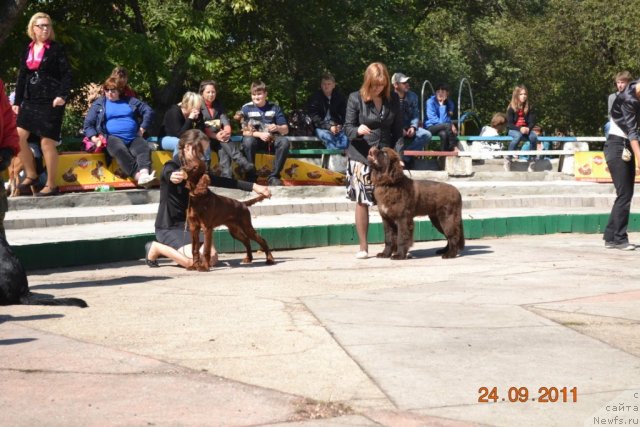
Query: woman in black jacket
[173,239]
[373,118]
[622,153]
[521,119]
[44,82]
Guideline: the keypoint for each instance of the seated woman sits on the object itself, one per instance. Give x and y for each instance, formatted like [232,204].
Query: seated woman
[496,128]
[173,240]
[218,128]
[521,120]
[439,110]
[122,120]
[180,118]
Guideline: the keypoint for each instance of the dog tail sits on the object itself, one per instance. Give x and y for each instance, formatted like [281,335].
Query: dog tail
[33,299]
[254,200]
[461,243]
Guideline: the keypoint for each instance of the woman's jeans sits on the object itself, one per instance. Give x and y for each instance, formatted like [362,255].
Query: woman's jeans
[170,143]
[623,175]
[517,136]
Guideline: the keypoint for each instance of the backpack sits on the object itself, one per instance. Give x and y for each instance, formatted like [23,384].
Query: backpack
[300,124]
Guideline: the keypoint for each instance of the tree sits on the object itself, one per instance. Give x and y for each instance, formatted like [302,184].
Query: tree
[10,10]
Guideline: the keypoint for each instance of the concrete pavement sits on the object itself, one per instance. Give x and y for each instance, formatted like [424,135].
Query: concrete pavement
[360,342]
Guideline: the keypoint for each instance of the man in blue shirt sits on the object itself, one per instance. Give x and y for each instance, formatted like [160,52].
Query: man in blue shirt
[415,137]
[267,126]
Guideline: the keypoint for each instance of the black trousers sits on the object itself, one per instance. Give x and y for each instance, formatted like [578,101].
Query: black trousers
[623,175]
[230,151]
[251,145]
[448,140]
[131,158]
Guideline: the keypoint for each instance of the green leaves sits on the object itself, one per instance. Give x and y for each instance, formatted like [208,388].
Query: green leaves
[565,51]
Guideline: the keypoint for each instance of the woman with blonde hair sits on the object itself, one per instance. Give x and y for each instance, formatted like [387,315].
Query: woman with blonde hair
[373,118]
[180,118]
[521,119]
[43,84]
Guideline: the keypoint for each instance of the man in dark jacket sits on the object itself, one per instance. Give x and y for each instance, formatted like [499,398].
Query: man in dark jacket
[327,108]
[622,153]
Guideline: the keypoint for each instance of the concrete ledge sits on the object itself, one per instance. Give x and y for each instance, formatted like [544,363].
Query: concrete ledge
[86,252]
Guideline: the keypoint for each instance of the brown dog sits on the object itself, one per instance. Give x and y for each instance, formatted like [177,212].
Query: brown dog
[208,210]
[400,198]
[15,167]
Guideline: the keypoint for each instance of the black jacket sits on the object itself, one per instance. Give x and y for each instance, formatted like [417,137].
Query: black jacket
[175,123]
[386,126]
[512,117]
[53,77]
[319,104]
[625,110]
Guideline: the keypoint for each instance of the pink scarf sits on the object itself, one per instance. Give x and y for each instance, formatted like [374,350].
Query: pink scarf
[33,61]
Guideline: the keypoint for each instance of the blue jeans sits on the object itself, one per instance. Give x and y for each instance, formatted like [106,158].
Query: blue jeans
[331,141]
[417,143]
[170,143]
[516,137]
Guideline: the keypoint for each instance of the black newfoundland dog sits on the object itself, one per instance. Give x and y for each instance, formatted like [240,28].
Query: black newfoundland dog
[14,288]
[400,199]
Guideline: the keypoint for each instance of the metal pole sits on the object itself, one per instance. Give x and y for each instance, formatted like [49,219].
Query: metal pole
[426,82]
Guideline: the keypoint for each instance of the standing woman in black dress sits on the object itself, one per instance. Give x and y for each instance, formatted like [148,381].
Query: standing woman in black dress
[43,84]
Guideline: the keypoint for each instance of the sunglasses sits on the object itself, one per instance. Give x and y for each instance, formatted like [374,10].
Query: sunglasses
[43,26]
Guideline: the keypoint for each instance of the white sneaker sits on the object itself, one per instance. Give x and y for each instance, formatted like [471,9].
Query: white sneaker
[145,178]
[625,247]
[362,255]
[507,165]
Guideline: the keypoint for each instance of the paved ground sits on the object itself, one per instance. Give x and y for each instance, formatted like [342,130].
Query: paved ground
[358,342]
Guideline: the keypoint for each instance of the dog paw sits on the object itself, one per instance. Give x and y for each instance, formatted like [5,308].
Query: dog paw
[270,260]
[246,260]
[383,255]
[399,256]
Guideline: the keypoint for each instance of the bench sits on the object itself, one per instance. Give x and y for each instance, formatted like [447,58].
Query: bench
[561,153]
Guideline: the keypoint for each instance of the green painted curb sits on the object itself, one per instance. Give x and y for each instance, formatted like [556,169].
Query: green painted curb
[87,252]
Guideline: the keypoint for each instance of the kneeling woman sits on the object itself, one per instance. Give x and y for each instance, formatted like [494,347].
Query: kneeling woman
[122,120]
[173,240]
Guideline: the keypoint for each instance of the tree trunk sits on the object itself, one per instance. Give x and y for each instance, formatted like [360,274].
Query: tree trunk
[10,11]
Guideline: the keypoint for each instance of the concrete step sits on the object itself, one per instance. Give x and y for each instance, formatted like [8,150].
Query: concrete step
[90,228]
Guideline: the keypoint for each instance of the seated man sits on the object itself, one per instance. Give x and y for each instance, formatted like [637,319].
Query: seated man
[415,137]
[438,113]
[267,126]
[327,108]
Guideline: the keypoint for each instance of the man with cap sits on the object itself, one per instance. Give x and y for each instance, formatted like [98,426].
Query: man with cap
[415,137]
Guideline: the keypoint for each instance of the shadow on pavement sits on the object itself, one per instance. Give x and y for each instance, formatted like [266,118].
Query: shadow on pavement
[129,280]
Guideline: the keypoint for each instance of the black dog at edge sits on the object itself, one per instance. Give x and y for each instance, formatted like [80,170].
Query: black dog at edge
[14,288]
